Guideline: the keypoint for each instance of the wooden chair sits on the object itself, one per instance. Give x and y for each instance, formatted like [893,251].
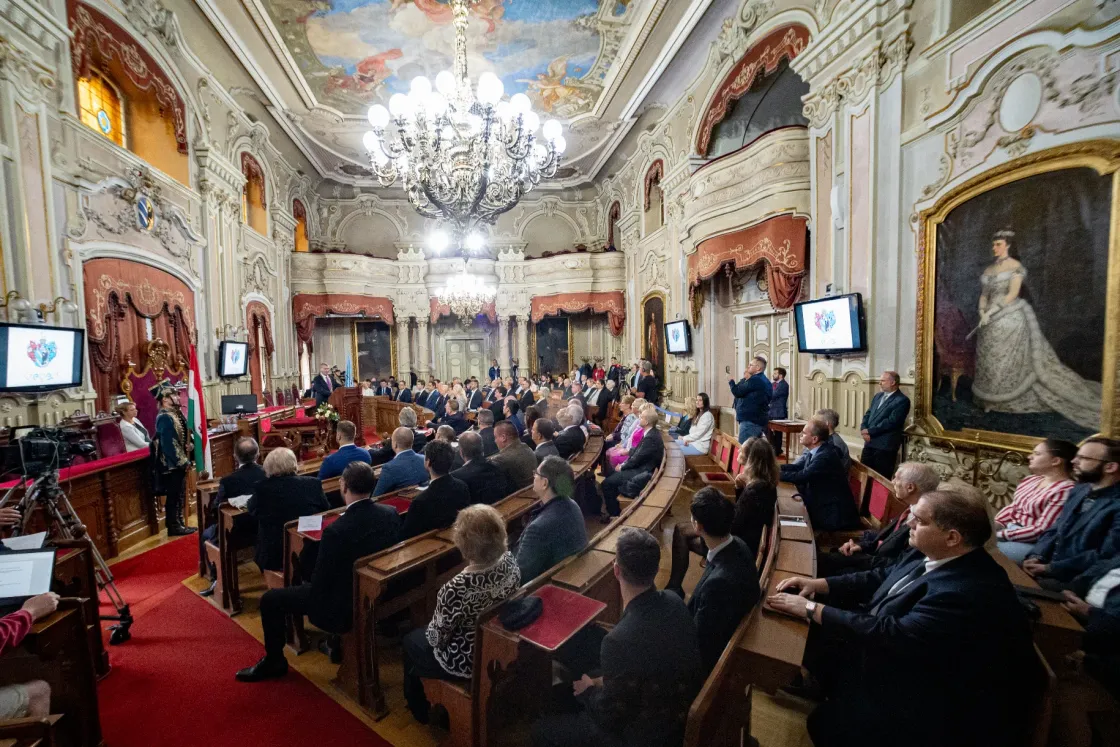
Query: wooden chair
[267,397]
[875,499]
[455,698]
[275,440]
[30,732]
[280,399]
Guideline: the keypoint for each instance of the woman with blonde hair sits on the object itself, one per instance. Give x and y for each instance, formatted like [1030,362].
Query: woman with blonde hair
[630,435]
[445,649]
[136,436]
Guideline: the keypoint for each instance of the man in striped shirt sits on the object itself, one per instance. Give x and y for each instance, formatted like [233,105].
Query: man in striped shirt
[1038,500]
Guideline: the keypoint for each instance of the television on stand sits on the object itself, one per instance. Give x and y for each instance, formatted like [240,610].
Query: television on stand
[233,359]
[831,326]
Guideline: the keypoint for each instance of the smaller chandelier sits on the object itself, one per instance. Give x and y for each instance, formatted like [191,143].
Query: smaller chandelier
[463,156]
[466,294]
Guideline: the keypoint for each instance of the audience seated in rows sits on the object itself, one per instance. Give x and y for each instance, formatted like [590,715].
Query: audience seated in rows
[383,452]
[364,529]
[556,529]
[699,437]
[485,480]
[445,648]
[348,451]
[935,647]
[728,590]
[281,497]
[485,421]
[877,549]
[1095,602]
[1088,529]
[512,412]
[514,458]
[543,434]
[1038,499]
[437,505]
[831,418]
[447,434]
[531,417]
[649,663]
[403,470]
[636,471]
[822,481]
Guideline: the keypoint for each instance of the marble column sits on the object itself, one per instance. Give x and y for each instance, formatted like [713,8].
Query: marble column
[503,345]
[525,365]
[403,363]
[422,368]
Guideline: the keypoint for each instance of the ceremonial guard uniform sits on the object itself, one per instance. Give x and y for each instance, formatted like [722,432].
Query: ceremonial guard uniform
[170,449]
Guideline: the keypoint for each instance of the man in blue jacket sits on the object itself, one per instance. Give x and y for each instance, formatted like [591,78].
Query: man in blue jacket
[779,406]
[1088,529]
[556,529]
[882,426]
[752,399]
[405,469]
[334,464]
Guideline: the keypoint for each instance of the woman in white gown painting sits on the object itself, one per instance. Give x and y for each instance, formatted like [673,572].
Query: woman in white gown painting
[1017,371]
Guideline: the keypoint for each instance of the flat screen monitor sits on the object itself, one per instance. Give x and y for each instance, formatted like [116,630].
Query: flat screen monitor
[25,574]
[831,326]
[233,359]
[239,404]
[34,358]
[678,337]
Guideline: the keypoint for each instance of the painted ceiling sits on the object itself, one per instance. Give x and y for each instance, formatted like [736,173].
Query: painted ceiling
[351,53]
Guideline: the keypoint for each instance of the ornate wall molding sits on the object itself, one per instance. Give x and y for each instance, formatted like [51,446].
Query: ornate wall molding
[875,70]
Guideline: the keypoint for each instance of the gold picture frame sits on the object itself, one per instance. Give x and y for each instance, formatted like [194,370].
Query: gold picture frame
[1103,156]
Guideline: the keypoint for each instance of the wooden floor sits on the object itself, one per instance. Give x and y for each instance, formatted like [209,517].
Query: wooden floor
[774,723]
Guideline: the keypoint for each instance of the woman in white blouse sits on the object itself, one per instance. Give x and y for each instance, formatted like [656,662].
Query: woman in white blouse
[699,437]
[136,436]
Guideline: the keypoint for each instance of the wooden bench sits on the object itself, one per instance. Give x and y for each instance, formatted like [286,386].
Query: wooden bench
[75,577]
[1056,633]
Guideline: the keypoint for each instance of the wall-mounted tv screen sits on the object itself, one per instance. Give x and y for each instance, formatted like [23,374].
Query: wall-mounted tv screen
[678,337]
[34,358]
[233,359]
[831,326]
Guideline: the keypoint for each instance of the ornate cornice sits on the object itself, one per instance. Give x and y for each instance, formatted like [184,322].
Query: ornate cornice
[877,69]
[33,80]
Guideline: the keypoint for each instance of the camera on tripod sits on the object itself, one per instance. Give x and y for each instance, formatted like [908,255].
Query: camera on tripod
[40,450]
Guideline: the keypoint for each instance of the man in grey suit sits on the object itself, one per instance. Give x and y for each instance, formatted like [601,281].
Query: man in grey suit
[882,426]
[556,529]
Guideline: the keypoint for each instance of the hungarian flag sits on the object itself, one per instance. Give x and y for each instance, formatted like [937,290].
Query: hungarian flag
[196,417]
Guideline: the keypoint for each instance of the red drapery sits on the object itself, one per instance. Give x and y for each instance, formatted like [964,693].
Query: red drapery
[258,321]
[612,303]
[99,41]
[786,42]
[780,242]
[121,297]
[307,307]
[612,218]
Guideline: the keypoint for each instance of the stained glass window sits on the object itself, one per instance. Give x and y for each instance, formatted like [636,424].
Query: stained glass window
[100,107]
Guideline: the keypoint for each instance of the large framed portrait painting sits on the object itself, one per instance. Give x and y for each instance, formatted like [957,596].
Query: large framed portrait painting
[653,334]
[1019,310]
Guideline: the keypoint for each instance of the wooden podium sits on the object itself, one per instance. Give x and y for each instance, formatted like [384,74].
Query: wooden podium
[347,400]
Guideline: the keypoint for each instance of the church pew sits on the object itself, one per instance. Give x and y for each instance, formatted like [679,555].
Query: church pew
[74,577]
[57,652]
[409,575]
[1056,632]
[502,660]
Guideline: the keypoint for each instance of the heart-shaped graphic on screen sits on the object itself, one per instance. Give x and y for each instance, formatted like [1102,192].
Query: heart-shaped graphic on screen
[235,356]
[825,320]
[42,352]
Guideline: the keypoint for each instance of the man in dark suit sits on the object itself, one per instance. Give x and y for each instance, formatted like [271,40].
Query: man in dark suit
[383,389]
[779,406]
[334,464]
[485,422]
[882,426]
[876,549]
[543,432]
[527,398]
[281,497]
[475,398]
[571,439]
[486,482]
[438,505]
[457,420]
[650,664]
[437,401]
[556,529]
[752,399]
[495,371]
[939,632]
[636,471]
[364,529]
[242,481]
[322,385]
[822,481]
[607,395]
[1088,529]
[405,469]
[648,385]
[512,412]
[729,589]
[405,395]
[514,458]
[614,373]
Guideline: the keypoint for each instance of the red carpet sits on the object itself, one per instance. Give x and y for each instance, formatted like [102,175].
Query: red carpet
[173,685]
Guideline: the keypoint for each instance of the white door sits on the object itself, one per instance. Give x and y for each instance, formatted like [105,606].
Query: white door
[464,357]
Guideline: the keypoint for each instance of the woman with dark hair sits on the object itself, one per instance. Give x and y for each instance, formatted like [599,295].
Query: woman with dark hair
[699,437]
[1038,499]
[758,491]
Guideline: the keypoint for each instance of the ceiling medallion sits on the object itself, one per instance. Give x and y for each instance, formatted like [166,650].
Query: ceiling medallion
[463,156]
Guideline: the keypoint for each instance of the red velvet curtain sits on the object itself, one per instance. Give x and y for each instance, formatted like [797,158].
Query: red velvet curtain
[258,321]
[121,298]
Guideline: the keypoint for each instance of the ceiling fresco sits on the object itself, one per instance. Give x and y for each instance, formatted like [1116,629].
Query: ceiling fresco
[352,53]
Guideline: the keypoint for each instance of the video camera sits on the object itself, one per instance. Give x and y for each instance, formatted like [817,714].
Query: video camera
[39,450]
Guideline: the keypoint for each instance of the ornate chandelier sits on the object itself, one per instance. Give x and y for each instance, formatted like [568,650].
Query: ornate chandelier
[464,157]
[466,294]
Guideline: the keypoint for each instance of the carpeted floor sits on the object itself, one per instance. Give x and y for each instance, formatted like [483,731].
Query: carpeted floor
[173,685]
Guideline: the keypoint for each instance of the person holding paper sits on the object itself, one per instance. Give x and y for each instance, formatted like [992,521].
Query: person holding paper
[365,528]
[31,699]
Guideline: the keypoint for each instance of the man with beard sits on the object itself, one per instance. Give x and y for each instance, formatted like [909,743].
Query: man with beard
[1088,529]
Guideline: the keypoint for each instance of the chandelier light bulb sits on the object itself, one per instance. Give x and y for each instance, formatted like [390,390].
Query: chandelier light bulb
[370,141]
[531,121]
[378,116]
[520,103]
[490,89]
[504,111]
[552,129]
[445,83]
[435,104]
[474,242]
[560,144]
[420,87]
[438,241]
[400,105]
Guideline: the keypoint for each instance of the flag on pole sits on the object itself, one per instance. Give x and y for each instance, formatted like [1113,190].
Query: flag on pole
[349,372]
[196,417]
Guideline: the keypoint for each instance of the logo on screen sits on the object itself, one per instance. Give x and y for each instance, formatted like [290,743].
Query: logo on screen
[235,356]
[676,335]
[825,320]
[42,352]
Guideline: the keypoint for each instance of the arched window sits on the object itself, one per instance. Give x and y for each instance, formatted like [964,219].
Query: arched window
[654,216]
[101,106]
[253,205]
[300,214]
